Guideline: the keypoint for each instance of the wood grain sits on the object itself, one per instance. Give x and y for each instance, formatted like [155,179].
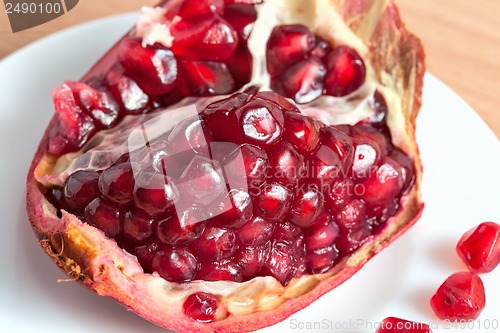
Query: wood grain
[461,38]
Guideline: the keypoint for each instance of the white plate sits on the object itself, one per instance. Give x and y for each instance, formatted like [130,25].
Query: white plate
[461,189]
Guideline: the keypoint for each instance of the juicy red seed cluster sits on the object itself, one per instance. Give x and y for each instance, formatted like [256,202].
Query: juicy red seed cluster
[209,56]
[303,66]
[248,187]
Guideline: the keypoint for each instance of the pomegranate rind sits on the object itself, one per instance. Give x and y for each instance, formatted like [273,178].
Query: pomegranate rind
[85,254]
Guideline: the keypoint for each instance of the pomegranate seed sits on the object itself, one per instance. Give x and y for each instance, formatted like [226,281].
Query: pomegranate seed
[460,297]
[286,164]
[255,163]
[153,68]
[178,230]
[320,261]
[256,232]
[251,259]
[398,325]
[321,49]
[303,82]
[287,45]
[131,97]
[224,270]
[137,225]
[145,255]
[80,188]
[241,17]
[322,234]
[384,212]
[302,132]
[205,78]
[352,215]
[326,166]
[379,105]
[367,131]
[153,193]
[287,232]
[384,184]
[104,216]
[273,202]
[190,134]
[240,64]
[196,9]
[222,119]
[408,168]
[306,207]
[117,183]
[175,265]
[351,239]
[262,122]
[341,144]
[215,244]
[209,39]
[281,102]
[281,263]
[345,71]
[201,307]
[479,247]
[340,192]
[366,157]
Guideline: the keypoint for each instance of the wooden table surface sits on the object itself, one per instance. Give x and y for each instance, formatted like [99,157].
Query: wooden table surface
[462,40]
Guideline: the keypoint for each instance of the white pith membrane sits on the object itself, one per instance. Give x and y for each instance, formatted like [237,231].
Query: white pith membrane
[109,270]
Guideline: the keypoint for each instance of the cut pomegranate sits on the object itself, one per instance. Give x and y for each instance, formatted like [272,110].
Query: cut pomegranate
[479,247]
[461,296]
[398,325]
[235,216]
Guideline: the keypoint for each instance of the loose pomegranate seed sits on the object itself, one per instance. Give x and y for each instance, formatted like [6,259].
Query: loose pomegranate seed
[201,307]
[479,247]
[154,68]
[303,82]
[80,188]
[345,71]
[105,216]
[287,45]
[175,265]
[249,187]
[461,296]
[398,325]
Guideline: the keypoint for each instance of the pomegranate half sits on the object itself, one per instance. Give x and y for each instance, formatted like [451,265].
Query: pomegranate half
[245,205]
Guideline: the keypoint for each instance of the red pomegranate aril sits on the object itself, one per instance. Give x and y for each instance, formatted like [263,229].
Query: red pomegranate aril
[408,168]
[339,194]
[153,193]
[326,166]
[255,164]
[241,17]
[320,261]
[251,259]
[154,68]
[205,78]
[460,297]
[137,225]
[345,71]
[281,263]
[287,45]
[302,132]
[117,183]
[181,229]
[479,248]
[367,131]
[286,164]
[322,234]
[236,209]
[224,270]
[131,97]
[306,207]
[209,39]
[80,188]
[197,9]
[384,184]
[262,122]
[190,134]
[398,325]
[353,215]
[105,216]
[366,157]
[379,105]
[321,49]
[202,307]
[351,239]
[240,64]
[256,232]
[287,231]
[302,82]
[340,143]
[214,244]
[145,255]
[281,102]
[273,202]
[384,212]
[175,265]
